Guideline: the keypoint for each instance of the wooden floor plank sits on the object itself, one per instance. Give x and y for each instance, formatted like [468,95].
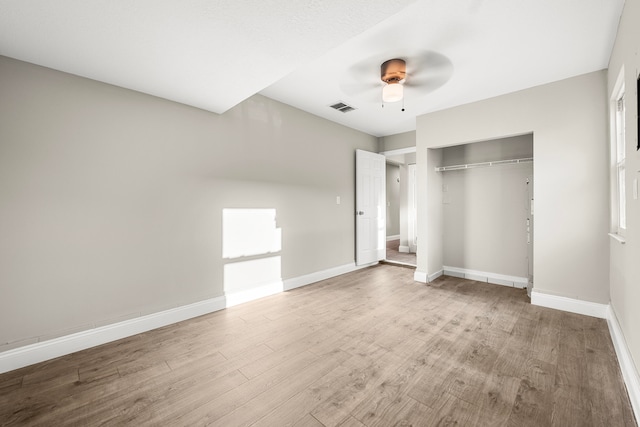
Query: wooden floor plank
[534,398]
[363,381]
[250,412]
[298,406]
[450,410]
[612,406]
[369,348]
[306,421]
[227,403]
[389,395]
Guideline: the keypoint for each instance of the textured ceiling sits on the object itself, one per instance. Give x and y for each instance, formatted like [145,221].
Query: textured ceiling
[494,47]
[209,54]
[310,54]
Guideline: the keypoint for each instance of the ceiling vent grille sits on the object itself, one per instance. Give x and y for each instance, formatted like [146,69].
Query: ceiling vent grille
[342,107]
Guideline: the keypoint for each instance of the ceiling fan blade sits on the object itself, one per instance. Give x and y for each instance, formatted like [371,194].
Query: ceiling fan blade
[431,82]
[428,70]
[365,92]
[425,70]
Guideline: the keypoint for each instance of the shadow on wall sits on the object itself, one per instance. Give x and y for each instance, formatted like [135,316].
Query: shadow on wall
[250,238]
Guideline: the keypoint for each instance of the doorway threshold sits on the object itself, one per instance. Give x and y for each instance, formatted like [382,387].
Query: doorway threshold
[397,263]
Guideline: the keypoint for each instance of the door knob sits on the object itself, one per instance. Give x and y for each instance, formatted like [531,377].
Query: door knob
[360,212]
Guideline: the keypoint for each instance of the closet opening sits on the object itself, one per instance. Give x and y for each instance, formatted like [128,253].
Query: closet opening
[487,210]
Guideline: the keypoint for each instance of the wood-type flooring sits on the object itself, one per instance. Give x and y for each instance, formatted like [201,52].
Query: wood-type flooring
[394,255]
[369,348]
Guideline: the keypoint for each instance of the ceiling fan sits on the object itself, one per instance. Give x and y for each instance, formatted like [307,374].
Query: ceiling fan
[393,73]
[410,76]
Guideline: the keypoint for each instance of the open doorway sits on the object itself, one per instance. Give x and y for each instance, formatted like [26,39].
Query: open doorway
[401,207]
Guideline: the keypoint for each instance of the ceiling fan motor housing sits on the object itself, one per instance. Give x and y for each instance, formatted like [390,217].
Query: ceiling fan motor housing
[393,71]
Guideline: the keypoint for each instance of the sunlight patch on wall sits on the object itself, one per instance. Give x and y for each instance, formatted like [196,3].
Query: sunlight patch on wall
[248,280]
[250,237]
[248,232]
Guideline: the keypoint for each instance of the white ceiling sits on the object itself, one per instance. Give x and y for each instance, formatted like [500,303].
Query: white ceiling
[310,54]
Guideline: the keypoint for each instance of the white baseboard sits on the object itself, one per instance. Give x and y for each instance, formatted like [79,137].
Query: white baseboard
[241,297]
[308,279]
[50,349]
[41,351]
[569,304]
[420,276]
[483,276]
[394,237]
[404,249]
[435,275]
[629,371]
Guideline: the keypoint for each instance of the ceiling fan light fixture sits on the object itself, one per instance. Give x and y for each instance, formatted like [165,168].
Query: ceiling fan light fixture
[392,92]
[393,72]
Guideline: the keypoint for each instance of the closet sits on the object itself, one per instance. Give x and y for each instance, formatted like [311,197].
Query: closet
[486,206]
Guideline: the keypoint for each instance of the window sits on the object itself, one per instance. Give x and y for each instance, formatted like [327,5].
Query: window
[618,146]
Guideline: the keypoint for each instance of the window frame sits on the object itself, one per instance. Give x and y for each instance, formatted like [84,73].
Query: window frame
[618,157]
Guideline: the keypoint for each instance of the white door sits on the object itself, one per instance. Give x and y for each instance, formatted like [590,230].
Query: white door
[370,208]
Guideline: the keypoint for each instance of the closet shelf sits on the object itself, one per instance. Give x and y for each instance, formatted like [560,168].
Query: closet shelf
[483,164]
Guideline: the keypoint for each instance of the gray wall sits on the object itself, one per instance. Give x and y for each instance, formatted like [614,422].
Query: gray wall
[515,147]
[568,122]
[625,259]
[393,200]
[111,201]
[484,219]
[485,209]
[397,141]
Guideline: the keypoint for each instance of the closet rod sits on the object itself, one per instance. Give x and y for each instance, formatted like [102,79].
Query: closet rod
[483,164]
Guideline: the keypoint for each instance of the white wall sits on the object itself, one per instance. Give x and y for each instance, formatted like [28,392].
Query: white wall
[568,122]
[404,208]
[393,187]
[429,254]
[111,201]
[625,259]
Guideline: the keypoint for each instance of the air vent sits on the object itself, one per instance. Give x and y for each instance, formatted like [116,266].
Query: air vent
[342,107]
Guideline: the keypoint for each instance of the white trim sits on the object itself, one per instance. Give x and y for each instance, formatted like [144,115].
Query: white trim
[39,352]
[50,349]
[394,237]
[614,200]
[571,305]
[420,276]
[435,275]
[629,371]
[618,237]
[308,279]
[399,151]
[241,297]
[483,276]
[404,249]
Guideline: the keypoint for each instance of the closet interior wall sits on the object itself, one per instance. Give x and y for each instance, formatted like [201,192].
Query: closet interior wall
[485,209]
